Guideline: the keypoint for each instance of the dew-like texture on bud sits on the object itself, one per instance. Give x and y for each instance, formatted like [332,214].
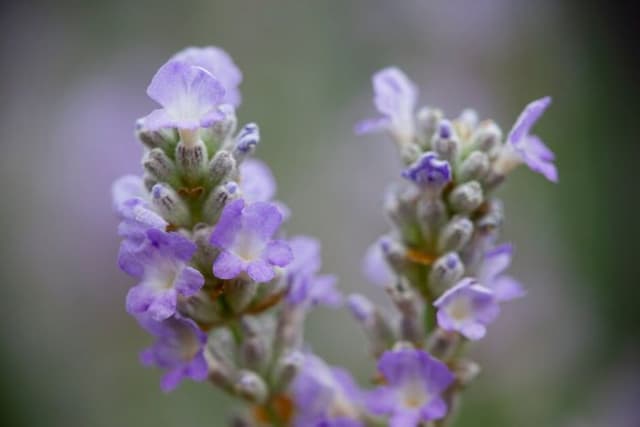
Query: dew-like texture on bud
[466,197]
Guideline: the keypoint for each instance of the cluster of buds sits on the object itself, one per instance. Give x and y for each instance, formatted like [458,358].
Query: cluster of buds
[225,292]
[441,263]
[220,287]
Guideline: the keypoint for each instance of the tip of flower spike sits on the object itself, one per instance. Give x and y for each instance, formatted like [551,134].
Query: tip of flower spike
[248,138]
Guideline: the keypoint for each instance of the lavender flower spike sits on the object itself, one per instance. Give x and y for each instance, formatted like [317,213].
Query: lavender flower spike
[527,148]
[395,98]
[415,381]
[179,349]
[467,308]
[162,267]
[325,396]
[429,171]
[189,96]
[219,63]
[245,235]
[504,287]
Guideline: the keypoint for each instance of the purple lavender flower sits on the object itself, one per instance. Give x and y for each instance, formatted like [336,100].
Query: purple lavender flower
[136,219]
[467,308]
[179,349]
[245,236]
[429,171]
[219,63]
[395,98]
[414,383]
[504,287]
[189,96]
[126,188]
[375,267]
[161,264]
[529,148]
[325,396]
[256,181]
[306,288]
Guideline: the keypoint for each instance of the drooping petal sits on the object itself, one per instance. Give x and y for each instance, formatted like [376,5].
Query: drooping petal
[529,116]
[227,265]
[260,271]
[395,94]
[279,253]
[189,281]
[261,219]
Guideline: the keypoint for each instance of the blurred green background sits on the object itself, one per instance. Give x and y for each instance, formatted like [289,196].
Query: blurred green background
[73,82]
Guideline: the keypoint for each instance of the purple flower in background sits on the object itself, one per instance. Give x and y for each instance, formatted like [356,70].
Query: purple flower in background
[245,235]
[375,267]
[467,308]
[256,181]
[126,188]
[414,383]
[395,97]
[189,96]
[219,63]
[306,288]
[161,265]
[325,396]
[179,349]
[497,260]
[429,171]
[529,148]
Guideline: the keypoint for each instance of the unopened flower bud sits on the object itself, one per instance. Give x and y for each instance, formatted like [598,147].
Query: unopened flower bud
[246,141]
[221,372]
[169,204]
[442,344]
[395,254]
[221,166]
[493,218]
[251,387]
[466,371]
[287,368]
[254,353]
[200,308]
[466,197]
[474,167]
[455,235]
[374,323]
[446,271]
[428,120]
[239,293]
[217,200]
[410,152]
[191,159]
[445,142]
[159,166]
[486,138]
[155,139]
[406,301]
[222,129]
[432,215]
[206,253]
[149,181]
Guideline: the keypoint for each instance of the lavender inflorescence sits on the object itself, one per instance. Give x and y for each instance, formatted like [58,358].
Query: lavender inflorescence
[225,292]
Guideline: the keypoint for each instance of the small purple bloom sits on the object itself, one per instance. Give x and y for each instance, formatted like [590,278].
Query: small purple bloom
[395,98]
[245,235]
[257,181]
[179,349]
[429,171]
[137,218]
[375,267]
[325,396]
[529,148]
[504,287]
[467,308]
[361,308]
[161,265]
[189,95]
[219,63]
[414,384]
[126,188]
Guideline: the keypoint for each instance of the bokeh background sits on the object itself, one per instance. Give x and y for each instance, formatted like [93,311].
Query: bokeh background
[73,82]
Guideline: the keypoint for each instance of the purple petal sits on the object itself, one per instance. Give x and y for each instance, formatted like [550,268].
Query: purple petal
[159,119]
[227,265]
[434,410]
[375,267]
[279,253]
[197,370]
[261,219]
[381,401]
[171,380]
[189,281]
[260,271]
[126,188]
[409,418]
[428,170]
[163,305]
[306,255]
[228,225]
[371,126]
[172,244]
[395,94]
[139,298]
[495,262]
[506,288]
[528,118]
[257,181]
[473,331]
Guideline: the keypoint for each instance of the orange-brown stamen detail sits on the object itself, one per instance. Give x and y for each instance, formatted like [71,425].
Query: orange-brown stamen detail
[419,257]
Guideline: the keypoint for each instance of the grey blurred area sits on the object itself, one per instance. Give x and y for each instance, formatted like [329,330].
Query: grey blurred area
[73,82]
